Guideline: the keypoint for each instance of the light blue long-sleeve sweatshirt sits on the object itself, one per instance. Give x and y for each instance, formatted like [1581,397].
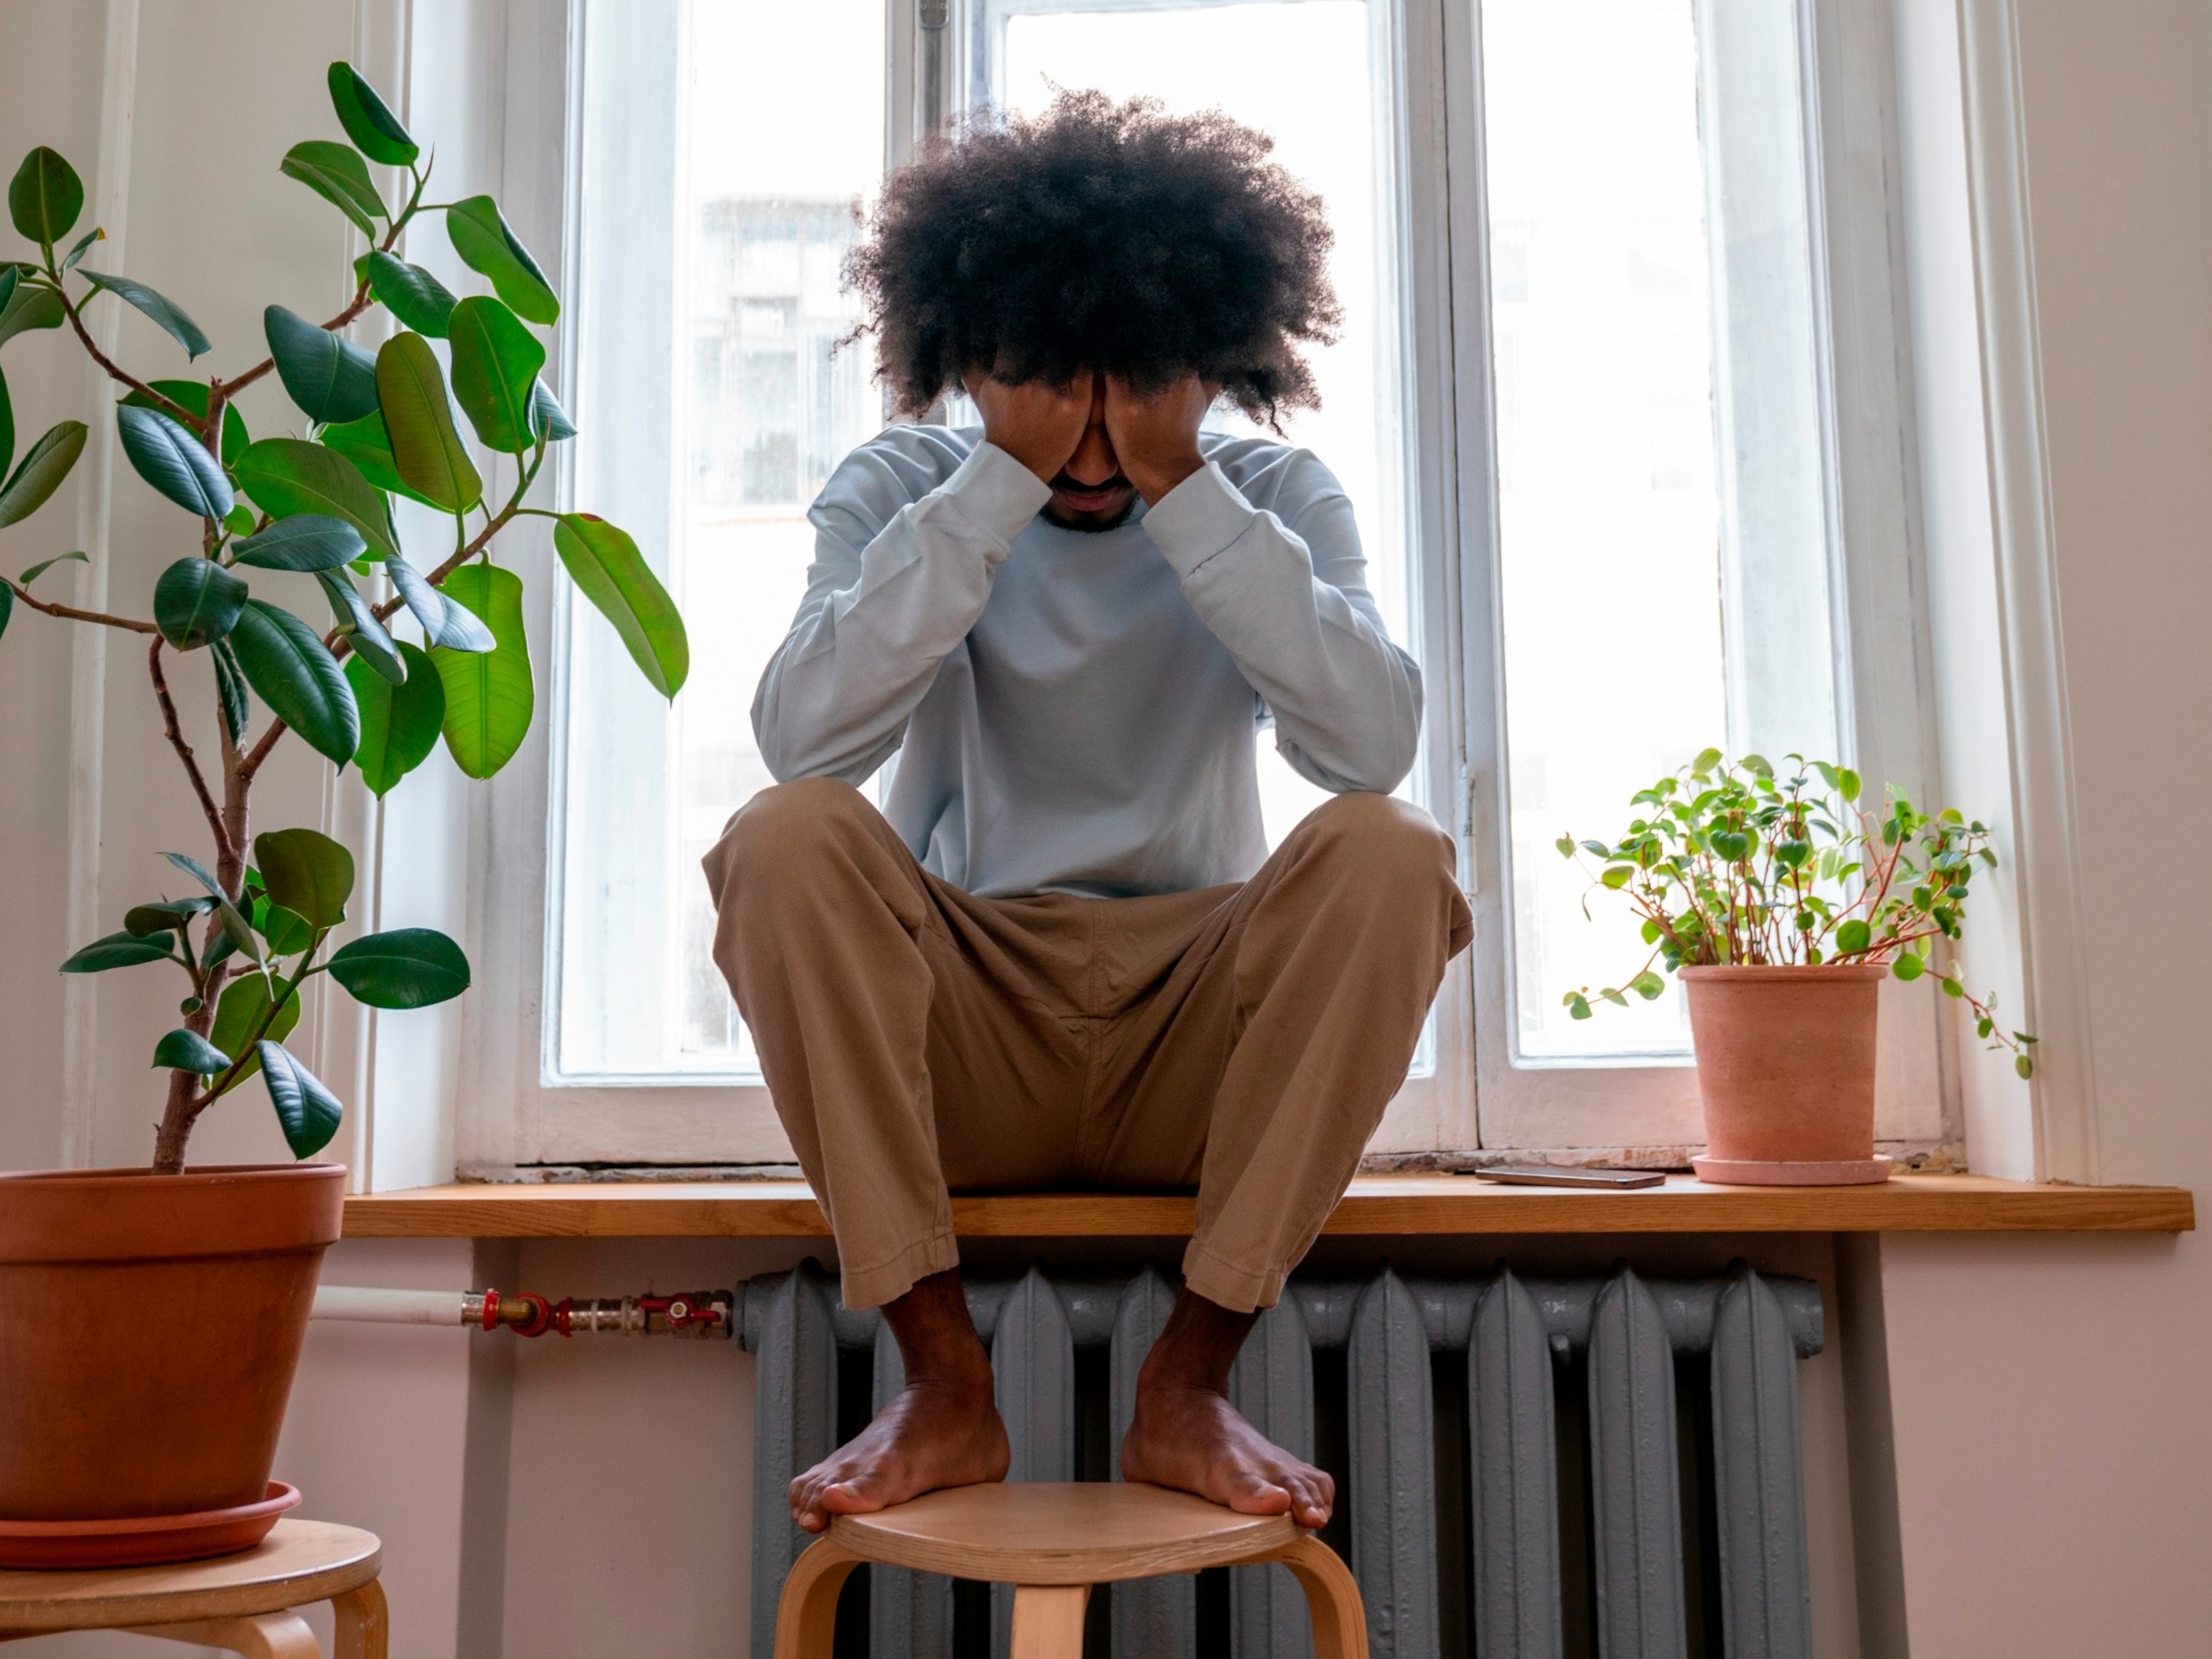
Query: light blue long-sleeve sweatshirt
[1075,712]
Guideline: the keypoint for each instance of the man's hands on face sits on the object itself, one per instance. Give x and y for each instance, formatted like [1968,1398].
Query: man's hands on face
[1037,423]
[1155,433]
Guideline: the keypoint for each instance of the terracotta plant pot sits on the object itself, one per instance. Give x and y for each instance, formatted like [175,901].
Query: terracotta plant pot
[149,1328]
[1786,1065]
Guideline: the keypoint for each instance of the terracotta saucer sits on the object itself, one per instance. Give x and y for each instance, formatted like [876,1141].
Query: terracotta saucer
[140,1541]
[1746,1172]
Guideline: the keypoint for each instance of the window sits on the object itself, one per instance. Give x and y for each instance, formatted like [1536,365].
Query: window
[1584,403]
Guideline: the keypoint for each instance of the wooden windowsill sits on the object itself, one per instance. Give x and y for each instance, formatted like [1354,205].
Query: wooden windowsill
[1376,1206]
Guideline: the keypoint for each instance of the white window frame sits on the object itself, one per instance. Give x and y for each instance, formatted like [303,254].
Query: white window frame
[1476,1104]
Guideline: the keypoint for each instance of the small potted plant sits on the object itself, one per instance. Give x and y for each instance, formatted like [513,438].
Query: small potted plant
[151,1319]
[1783,902]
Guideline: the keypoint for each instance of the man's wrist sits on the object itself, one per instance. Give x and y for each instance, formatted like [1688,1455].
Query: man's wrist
[1154,480]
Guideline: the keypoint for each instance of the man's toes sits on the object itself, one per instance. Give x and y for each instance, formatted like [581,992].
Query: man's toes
[1251,1492]
[858,1495]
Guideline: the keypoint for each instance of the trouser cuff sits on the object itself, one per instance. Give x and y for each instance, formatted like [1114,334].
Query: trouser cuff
[1227,1284]
[885,1281]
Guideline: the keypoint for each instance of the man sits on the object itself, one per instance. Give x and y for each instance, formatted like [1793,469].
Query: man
[1062,956]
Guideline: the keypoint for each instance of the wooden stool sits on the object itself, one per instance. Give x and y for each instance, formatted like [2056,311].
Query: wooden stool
[243,1602]
[1053,1541]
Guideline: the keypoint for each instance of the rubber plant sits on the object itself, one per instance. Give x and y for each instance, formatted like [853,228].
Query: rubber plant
[251,923]
[1730,864]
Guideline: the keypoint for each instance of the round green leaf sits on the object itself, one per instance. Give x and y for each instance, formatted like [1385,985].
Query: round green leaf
[286,663]
[480,236]
[290,476]
[329,379]
[45,196]
[308,1112]
[490,697]
[188,1051]
[43,468]
[495,365]
[1853,936]
[192,396]
[307,541]
[399,724]
[410,293]
[166,314]
[237,1018]
[197,600]
[120,951]
[173,461]
[1908,967]
[307,872]
[336,173]
[406,968]
[611,574]
[368,120]
[419,419]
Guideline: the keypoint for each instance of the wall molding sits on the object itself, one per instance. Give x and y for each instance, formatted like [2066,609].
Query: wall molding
[2054,965]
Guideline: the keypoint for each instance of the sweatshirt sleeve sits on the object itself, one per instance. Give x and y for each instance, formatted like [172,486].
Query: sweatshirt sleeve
[901,571]
[1287,595]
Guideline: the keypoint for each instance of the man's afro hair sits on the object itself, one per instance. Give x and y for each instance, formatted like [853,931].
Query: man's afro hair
[1104,236]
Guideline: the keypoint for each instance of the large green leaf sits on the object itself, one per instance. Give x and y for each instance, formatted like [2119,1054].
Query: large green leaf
[43,466]
[230,690]
[196,601]
[399,724]
[233,924]
[307,872]
[308,1112]
[329,379]
[238,1018]
[188,1051]
[31,306]
[174,462]
[45,196]
[6,428]
[7,607]
[410,293]
[495,365]
[191,396]
[357,621]
[406,968]
[336,173]
[286,663]
[444,621]
[166,314]
[164,916]
[120,951]
[368,120]
[369,447]
[287,476]
[419,419]
[614,576]
[307,541]
[488,695]
[479,233]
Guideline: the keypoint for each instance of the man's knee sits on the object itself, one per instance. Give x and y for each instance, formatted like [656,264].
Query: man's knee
[1383,840]
[783,829]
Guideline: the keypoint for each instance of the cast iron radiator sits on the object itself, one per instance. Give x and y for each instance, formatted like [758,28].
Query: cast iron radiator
[1526,1466]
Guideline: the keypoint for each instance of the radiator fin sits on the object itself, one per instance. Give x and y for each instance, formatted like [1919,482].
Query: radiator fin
[1635,1476]
[795,1402]
[1273,1384]
[1766,1609]
[1513,1476]
[1033,1357]
[1394,1491]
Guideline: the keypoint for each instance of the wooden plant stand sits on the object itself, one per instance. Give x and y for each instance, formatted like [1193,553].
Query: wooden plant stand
[1053,1541]
[244,1603]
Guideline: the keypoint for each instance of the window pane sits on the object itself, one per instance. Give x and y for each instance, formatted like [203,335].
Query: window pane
[1314,77]
[1662,548]
[714,225]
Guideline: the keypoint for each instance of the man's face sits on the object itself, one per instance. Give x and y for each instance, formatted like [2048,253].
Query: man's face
[1090,492]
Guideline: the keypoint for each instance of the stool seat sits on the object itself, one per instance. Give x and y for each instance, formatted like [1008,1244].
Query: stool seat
[1052,1541]
[1079,1532]
[244,1601]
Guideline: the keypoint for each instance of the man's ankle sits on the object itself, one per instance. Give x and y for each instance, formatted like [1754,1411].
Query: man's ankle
[1196,1349]
[936,1338]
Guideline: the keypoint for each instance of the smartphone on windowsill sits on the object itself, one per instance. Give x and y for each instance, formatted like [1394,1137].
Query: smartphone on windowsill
[1510,1175]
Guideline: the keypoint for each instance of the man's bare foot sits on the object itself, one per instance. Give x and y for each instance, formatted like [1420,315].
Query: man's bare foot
[1186,1435]
[942,1430]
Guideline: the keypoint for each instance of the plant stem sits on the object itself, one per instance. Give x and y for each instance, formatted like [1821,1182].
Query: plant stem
[74,615]
[170,406]
[183,750]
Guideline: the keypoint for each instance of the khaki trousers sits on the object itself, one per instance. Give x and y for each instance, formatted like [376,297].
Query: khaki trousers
[1242,1040]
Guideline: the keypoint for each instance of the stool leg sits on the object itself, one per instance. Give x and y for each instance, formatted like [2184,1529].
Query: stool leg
[806,1617]
[261,1636]
[364,1624]
[1048,1620]
[1340,1622]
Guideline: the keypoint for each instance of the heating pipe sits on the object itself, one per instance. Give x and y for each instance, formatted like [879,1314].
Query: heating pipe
[688,1313]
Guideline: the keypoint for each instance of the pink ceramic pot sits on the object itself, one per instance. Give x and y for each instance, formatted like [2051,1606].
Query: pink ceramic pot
[1786,1065]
